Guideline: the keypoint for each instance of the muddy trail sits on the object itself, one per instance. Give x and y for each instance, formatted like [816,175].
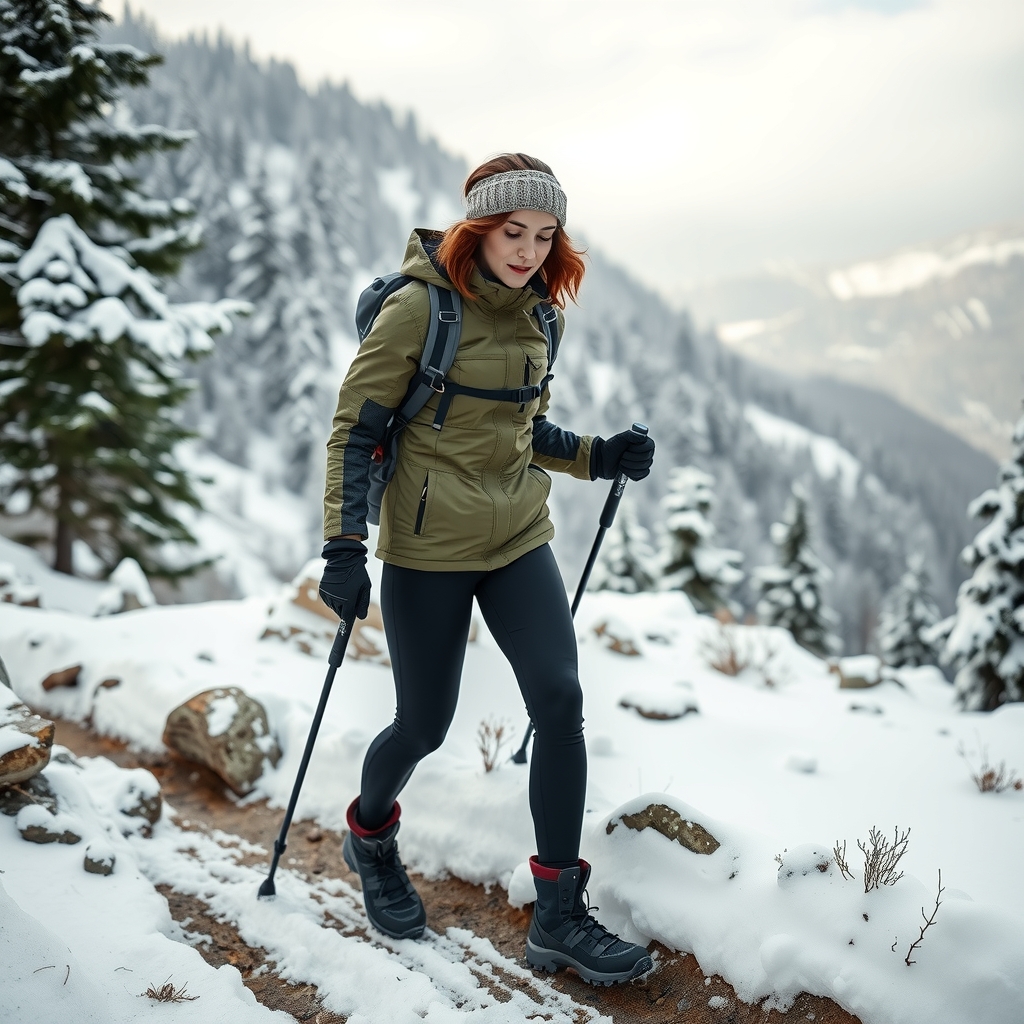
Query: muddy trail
[457,912]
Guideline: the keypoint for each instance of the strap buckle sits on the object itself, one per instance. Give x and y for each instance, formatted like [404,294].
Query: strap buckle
[525,395]
[448,316]
[435,378]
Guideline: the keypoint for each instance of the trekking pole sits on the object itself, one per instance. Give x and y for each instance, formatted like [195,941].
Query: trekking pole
[611,506]
[334,660]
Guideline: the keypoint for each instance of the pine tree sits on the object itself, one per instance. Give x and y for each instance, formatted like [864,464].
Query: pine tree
[691,562]
[985,636]
[90,348]
[791,591]
[908,614]
[626,563]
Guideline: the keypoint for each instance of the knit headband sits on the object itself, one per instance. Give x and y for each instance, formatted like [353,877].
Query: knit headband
[516,190]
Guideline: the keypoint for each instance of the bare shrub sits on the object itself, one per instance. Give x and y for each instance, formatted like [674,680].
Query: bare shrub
[764,664]
[928,922]
[840,855]
[724,649]
[991,779]
[491,738]
[168,993]
[882,857]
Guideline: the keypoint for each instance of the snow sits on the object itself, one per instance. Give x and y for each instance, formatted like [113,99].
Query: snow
[12,179]
[830,458]
[85,947]
[910,270]
[220,714]
[783,769]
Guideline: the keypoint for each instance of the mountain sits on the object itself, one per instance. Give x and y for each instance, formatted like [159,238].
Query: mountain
[939,327]
[305,195]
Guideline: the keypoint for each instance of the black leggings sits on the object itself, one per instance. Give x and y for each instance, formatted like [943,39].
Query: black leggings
[427,619]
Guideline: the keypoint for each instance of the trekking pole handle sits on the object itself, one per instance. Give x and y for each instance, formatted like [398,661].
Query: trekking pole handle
[611,504]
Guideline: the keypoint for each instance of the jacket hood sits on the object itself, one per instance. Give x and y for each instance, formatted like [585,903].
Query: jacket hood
[420,261]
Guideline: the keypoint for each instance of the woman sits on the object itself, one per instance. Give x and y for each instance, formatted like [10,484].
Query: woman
[465,516]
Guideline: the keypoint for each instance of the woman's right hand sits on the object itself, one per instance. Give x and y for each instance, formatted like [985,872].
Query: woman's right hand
[345,584]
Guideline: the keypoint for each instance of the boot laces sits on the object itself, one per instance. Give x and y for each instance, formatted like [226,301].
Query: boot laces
[395,882]
[585,922]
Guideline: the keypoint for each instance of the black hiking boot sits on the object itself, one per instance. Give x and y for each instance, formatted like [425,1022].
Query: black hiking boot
[392,904]
[563,934]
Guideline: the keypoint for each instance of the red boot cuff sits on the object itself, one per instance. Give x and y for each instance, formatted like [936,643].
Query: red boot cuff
[363,833]
[547,874]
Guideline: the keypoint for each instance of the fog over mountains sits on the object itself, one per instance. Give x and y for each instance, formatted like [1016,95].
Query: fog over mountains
[304,196]
[939,327]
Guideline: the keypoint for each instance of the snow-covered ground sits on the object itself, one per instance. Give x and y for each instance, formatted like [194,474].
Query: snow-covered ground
[775,761]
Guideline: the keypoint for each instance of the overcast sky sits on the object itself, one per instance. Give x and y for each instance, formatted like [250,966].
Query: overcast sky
[694,138]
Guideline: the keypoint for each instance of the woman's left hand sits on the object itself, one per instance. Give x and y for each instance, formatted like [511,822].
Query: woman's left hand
[628,453]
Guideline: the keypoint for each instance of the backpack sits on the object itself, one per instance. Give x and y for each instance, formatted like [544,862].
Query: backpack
[439,348]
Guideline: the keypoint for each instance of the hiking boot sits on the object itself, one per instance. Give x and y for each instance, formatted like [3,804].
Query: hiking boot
[392,904]
[563,934]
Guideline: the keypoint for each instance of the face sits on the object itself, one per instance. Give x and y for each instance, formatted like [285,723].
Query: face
[514,251]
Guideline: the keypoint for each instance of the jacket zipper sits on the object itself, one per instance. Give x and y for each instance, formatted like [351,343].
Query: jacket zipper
[422,507]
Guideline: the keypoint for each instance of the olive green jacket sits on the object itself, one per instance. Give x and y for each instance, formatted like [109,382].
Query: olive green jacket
[473,494]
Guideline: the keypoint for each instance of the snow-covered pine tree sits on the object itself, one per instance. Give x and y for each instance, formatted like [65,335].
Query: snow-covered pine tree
[690,561]
[281,270]
[89,346]
[791,591]
[985,636]
[908,614]
[627,563]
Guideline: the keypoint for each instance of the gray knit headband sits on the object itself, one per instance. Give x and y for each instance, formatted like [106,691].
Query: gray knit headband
[516,190]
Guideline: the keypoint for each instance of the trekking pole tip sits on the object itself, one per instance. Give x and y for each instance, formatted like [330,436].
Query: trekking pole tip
[267,890]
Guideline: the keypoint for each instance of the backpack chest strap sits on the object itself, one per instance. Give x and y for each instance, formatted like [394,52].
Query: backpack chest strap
[448,389]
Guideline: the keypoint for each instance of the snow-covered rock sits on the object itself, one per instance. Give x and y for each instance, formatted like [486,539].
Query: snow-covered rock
[227,731]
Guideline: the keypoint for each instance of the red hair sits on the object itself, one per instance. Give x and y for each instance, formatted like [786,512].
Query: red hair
[563,268]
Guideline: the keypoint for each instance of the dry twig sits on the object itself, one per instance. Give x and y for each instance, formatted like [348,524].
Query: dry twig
[723,650]
[928,922]
[881,858]
[491,737]
[168,993]
[989,779]
[840,854]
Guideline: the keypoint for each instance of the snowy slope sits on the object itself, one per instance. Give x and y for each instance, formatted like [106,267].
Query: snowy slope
[768,769]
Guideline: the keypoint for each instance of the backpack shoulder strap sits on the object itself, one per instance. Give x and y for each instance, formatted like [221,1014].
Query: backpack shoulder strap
[547,320]
[439,347]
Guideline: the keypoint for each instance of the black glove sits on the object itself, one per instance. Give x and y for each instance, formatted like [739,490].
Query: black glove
[628,453]
[345,584]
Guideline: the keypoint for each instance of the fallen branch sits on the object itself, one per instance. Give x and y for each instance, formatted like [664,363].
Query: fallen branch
[928,922]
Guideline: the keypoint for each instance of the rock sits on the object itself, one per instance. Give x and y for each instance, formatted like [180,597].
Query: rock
[33,791]
[25,741]
[65,677]
[139,798]
[659,705]
[16,589]
[618,637]
[128,590]
[37,825]
[227,731]
[299,617]
[670,824]
[109,684]
[857,673]
[99,858]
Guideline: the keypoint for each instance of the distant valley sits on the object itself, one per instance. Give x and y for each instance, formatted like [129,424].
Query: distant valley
[939,327]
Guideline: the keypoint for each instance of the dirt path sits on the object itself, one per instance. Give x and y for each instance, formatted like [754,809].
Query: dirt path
[678,991]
